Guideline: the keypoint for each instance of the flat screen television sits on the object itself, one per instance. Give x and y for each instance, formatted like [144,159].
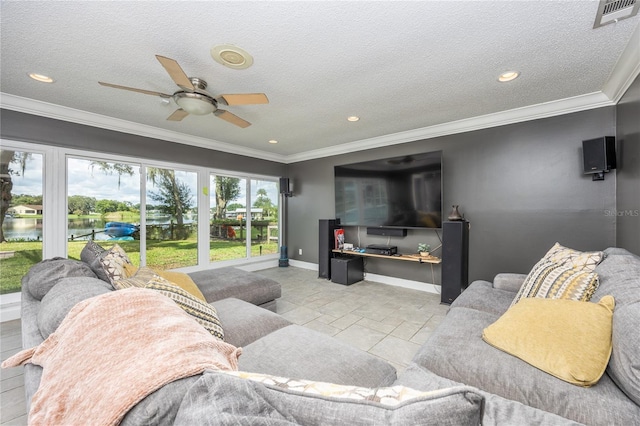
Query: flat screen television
[398,192]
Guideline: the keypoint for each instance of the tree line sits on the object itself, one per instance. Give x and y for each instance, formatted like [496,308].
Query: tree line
[172,196]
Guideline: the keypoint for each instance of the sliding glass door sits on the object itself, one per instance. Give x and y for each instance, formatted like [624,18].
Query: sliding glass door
[103,204]
[171,218]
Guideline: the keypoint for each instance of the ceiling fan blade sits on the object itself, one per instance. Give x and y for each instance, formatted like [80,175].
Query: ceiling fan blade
[176,72]
[178,115]
[231,118]
[245,99]
[133,89]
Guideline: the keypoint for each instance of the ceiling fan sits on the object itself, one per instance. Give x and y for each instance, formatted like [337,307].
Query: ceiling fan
[193,99]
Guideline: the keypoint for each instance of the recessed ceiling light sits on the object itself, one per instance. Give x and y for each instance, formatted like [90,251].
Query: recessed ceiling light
[353,118]
[273,141]
[508,76]
[40,77]
[231,56]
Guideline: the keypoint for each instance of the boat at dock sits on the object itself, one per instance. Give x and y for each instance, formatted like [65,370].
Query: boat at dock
[120,229]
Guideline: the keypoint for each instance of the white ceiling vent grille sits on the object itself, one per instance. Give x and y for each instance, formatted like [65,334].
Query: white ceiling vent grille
[614,10]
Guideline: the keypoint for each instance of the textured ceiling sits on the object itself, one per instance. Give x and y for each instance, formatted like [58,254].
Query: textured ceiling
[405,68]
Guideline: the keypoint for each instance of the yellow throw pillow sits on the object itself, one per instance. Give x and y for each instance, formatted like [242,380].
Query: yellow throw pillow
[568,339]
[183,281]
[130,270]
[139,277]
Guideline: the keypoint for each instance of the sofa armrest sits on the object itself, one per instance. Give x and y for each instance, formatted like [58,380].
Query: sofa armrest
[509,281]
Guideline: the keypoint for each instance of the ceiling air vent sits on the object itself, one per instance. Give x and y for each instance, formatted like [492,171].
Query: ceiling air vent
[614,10]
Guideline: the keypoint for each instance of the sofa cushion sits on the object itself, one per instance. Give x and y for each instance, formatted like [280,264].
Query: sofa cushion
[57,303]
[619,276]
[44,275]
[624,366]
[508,281]
[498,411]
[482,296]
[90,254]
[218,398]
[161,406]
[202,312]
[221,283]
[296,351]
[568,339]
[456,350]
[557,281]
[245,323]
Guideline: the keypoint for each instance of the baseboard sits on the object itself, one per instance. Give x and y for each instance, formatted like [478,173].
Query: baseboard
[303,265]
[382,279]
[401,282]
[10,307]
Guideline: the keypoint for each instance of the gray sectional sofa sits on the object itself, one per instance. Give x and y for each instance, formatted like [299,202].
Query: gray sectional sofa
[455,353]
[495,387]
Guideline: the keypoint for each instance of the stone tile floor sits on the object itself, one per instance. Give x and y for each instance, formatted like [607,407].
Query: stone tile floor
[387,321]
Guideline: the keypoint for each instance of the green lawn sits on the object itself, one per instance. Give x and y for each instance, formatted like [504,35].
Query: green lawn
[160,254]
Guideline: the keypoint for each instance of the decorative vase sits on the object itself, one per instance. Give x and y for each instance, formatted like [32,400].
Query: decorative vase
[455,214]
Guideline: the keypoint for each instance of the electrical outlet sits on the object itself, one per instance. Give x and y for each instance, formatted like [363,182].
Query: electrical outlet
[300,252]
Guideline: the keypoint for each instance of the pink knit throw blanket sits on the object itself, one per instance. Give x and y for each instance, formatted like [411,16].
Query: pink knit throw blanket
[113,350]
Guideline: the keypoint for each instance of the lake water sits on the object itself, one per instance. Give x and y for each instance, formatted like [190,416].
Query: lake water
[31,229]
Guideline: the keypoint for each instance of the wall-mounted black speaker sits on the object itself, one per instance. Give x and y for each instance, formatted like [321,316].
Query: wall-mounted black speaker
[284,185]
[387,232]
[599,156]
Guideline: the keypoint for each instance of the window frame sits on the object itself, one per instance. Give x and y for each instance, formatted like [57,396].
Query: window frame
[55,175]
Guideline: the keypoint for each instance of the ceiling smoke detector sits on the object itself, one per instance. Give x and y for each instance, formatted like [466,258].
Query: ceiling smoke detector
[614,10]
[231,56]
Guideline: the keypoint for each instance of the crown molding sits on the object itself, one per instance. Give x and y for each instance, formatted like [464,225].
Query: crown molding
[58,112]
[624,74]
[503,118]
[626,69]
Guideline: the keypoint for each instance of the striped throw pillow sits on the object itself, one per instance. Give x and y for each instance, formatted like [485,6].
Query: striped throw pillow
[141,278]
[575,259]
[202,312]
[556,281]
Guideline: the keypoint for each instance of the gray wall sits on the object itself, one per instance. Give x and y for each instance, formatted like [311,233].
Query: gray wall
[521,187]
[32,128]
[628,190]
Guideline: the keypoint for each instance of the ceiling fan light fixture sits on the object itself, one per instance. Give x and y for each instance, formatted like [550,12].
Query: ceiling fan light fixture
[195,103]
[508,76]
[231,56]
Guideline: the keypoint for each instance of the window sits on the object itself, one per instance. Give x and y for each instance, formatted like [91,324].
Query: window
[228,203]
[22,210]
[103,204]
[236,230]
[171,218]
[264,217]
[56,199]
